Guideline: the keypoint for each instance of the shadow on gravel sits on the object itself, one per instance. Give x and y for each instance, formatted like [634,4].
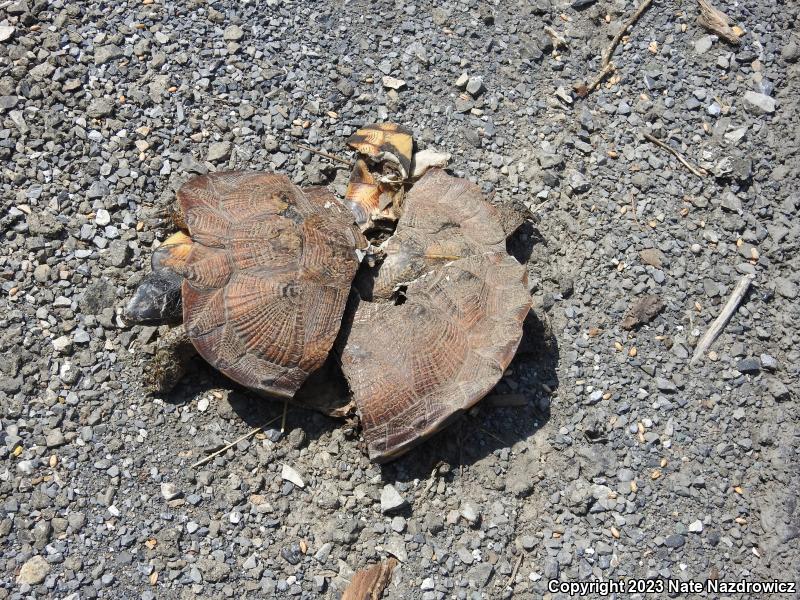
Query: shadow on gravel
[327,387]
[488,428]
[520,245]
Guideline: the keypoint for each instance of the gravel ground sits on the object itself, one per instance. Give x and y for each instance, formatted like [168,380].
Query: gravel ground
[624,461]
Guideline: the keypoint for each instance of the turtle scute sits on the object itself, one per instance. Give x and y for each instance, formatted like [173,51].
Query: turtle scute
[444,218]
[267,277]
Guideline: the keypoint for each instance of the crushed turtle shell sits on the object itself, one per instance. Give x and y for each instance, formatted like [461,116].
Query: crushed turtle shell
[371,199]
[377,182]
[387,143]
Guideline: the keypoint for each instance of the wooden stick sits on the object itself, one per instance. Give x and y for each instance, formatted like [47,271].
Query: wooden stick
[558,39]
[719,323]
[514,572]
[233,443]
[634,208]
[597,80]
[503,400]
[487,432]
[717,21]
[535,209]
[632,21]
[324,154]
[695,170]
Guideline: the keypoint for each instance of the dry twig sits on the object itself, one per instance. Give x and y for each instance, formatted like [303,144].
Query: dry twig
[233,443]
[505,400]
[489,433]
[514,572]
[606,65]
[558,39]
[724,316]
[323,154]
[700,172]
[716,21]
[632,21]
[584,91]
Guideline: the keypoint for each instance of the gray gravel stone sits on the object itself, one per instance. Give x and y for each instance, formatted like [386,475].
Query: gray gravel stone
[674,541]
[750,364]
[34,571]
[759,103]
[786,287]
[100,107]
[474,86]
[790,52]
[233,33]
[219,151]
[213,570]
[104,54]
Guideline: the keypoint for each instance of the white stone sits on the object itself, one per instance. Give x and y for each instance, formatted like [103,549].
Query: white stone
[703,45]
[102,217]
[759,103]
[250,563]
[470,512]
[391,499]
[426,159]
[289,474]
[233,33]
[62,343]
[25,467]
[393,83]
[6,31]
[219,151]
[169,490]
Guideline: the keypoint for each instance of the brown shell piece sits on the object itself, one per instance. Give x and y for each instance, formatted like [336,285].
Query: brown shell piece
[372,200]
[385,141]
[370,583]
[172,254]
[267,278]
[363,194]
[444,218]
[413,367]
